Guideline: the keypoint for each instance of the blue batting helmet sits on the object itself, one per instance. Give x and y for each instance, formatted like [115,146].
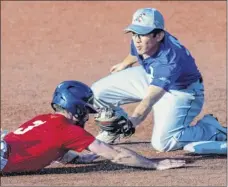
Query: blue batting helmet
[75,97]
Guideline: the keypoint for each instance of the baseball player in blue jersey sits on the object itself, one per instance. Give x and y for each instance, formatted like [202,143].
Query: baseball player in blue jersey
[166,81]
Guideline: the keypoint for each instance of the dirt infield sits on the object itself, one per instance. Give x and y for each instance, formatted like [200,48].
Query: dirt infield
[44,43]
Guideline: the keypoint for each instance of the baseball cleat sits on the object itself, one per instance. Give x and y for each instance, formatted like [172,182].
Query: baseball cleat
[221,134]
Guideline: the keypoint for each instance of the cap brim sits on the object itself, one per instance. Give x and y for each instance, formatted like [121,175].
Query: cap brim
[138,29]
[92,110]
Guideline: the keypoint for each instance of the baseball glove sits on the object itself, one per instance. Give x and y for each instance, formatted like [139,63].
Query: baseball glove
[115,122]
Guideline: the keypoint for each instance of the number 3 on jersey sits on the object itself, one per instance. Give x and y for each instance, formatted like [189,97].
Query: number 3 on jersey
[34,124]
[177,43]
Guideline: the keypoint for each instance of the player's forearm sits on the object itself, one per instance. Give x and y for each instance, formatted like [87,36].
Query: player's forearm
[120,155]
[102,149]
[141,111]
[130,60]
[130,158]
[145,106]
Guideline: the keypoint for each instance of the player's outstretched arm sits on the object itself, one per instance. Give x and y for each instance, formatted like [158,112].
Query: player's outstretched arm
[130,60]
[128,157]
[154,93]
[73,157]
[127,62]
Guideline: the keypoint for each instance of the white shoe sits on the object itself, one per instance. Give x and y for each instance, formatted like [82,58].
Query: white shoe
[221,131]
[107,137]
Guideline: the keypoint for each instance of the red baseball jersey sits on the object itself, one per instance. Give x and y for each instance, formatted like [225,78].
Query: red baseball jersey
[43,139]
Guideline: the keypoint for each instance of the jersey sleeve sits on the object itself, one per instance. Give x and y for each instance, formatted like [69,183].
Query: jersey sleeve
[76,138]
[165,73]
[133,49]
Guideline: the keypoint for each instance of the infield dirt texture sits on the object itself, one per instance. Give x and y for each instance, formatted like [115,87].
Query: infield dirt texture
[44,43]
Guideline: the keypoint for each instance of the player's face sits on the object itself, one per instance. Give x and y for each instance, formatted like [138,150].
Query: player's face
[146,44]
[83,121]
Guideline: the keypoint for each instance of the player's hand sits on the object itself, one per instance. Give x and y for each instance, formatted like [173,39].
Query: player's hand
[170,163]
[118,67]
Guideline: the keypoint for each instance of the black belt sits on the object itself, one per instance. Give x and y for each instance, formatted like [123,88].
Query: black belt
[201,79]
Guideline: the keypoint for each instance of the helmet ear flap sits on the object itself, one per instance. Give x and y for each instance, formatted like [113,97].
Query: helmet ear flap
[81,114]
[79,111]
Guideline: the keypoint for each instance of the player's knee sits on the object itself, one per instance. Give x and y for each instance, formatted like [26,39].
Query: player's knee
[158,146]
[97,89]
[166,146]
[163,145]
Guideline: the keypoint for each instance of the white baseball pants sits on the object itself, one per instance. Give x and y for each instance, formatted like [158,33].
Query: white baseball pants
[173,113]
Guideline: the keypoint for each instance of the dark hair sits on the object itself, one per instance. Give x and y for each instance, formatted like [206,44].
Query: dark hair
[156,31]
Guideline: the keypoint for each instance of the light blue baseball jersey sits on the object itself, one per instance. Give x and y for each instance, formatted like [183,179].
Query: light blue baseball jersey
[171,67]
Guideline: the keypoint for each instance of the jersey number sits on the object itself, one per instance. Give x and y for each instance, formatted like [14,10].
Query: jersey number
[34,124]
[177,43]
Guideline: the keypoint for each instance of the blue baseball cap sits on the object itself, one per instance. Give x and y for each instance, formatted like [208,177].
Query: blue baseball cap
[145,20]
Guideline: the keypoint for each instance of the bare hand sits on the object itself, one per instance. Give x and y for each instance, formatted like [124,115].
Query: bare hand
[118,67]
[170,163]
